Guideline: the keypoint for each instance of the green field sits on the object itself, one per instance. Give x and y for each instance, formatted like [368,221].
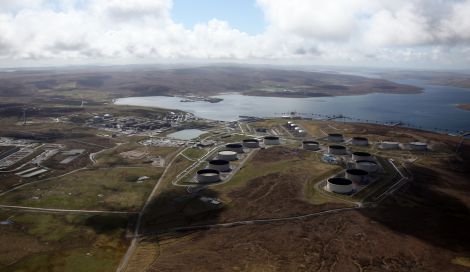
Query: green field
[101,189]
[53,242]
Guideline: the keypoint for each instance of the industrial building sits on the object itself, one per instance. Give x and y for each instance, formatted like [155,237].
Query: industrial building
[361,156]
[235,147]
[208,176]
[219,165]
[337,150]
[367,165]
[227,155]
[251,143]
[389,145]
[357,176]
[339,185]
[418,146]
[360,141]
[271,140]
[311,145]
[335,137]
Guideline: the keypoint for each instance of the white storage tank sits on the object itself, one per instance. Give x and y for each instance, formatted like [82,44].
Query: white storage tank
[337,150]
[272,140]
[389,145]
[227,155]
[418,146]
[236,147]
[360,141]
[357,176]
[359,155]
[339,185]
[369,166]
[208,176]
[311,145]
[335,137]
[251,143]
[219,165]
[292,126]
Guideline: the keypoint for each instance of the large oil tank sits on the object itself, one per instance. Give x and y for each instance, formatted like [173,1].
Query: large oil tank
[337,150]
[219,165]
[272,140]
[208,176]
[339,185]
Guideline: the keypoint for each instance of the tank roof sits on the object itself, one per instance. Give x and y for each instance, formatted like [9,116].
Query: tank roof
[310,142]
[219,162]
[227,152]
[233,145]
[250,141]
[360,138]
[337,147]
[361,153]
[207,171]
[271,138]
[357,172]
[340,181]
[335,134]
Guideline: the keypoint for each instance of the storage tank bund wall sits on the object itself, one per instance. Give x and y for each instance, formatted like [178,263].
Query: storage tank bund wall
[208,176]
[311,145]
[357,176]
[339,185]
[272,140]
[360,141]
[251,143]
[227,155]
[335,137]
[235,147]
[219,165]
[337,150]
[359,155]
[369,166]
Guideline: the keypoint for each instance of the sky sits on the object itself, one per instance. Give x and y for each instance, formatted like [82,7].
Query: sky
[433,34]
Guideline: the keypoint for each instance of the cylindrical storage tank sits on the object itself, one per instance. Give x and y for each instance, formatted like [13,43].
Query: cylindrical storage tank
[207,176]
[292,126]
[311,145]
[219,165]
[369,166]
[335,137]
[236,147]
[227,155]
[359,155]
[271,140]
[389,145]
[360,141]
[337,150]
[289,122]
[251,143]
[297,128]
[356,175]
[339,185]
[419,146]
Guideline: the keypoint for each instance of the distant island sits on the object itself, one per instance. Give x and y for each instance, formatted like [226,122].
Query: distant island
[464,106]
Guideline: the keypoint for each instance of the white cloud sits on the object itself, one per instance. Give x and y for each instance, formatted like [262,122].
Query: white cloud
[313,31]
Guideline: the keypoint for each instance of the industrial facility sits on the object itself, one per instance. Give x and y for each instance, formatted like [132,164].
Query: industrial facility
[219,165]
[208,176]
[358,156]
[339,185]
[418,146]
[235,147]
[360,141]
[357,176]
[227,155]
[389,145]
[367,165]
[251,143]
[337,150]
[271,140]
[335,137]
[311,145]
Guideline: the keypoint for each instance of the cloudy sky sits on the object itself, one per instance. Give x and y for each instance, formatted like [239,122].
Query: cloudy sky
[400,33]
